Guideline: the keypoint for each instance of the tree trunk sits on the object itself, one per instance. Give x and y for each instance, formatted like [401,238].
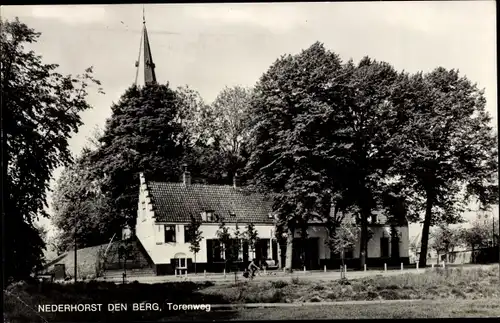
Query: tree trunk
[342,254]
[195,263]
[289,249]
[363,248]
[425,231]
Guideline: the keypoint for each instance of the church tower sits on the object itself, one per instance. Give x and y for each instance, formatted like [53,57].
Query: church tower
[149,66]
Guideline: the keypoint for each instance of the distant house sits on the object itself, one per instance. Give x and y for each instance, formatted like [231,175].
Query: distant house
[163,218]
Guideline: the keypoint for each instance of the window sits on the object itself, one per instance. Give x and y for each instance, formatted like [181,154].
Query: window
[208,216]
[169,233]
[217,251]
[188,235]
[349,253]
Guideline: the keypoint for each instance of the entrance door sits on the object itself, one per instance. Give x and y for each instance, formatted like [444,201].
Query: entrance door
[305,253]
[312,253]
[395,248]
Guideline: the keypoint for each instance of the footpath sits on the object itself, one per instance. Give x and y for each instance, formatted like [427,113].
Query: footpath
[270,276]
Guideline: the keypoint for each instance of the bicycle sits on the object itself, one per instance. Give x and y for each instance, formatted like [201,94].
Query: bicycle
[249,276]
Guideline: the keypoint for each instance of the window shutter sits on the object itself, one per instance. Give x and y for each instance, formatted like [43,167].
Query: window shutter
[210,251]
[159,234]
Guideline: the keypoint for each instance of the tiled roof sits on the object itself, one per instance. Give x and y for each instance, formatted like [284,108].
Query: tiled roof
[174,202]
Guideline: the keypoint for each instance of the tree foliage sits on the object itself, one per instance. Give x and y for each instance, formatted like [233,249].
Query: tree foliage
[319,134]
[144,134]
[224,236]
[196,235]
[482,233]
[444,148]
[289,107]
[217,133]
[345,237]
[41,109]
[251,237]
[80,209]
[445,239]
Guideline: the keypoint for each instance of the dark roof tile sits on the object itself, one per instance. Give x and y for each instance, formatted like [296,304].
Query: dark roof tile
[175,202]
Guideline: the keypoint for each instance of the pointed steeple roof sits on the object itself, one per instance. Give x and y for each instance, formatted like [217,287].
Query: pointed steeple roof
[149,66]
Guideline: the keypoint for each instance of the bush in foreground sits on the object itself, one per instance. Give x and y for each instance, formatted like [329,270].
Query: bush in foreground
[22,300]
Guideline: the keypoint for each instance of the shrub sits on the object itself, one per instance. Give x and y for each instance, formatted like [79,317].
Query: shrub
[279,284]
[315,299]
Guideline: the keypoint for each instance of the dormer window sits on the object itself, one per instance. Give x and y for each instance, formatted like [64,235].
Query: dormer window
[270,215]
[232,214]
[208,216]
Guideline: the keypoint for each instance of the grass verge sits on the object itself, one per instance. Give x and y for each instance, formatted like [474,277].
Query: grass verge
[440,309]
[439,283]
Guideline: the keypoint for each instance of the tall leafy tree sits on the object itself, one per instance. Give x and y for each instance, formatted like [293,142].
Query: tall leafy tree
[320,133]
[290,107]
[224,237]
[357,155]
[40,111]
[144,134]
[195,237]
[81,210]
[251,236]
[218,133]
[346,237]
[445,239]
[236,246]
[444,148]
[231,127]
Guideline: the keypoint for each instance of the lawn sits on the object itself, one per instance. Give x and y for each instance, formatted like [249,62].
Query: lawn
[429,309]
[416,309]
[453,283]
[452,292]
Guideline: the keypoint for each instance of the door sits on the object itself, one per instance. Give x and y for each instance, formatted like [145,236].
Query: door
[312,253]
[395,248]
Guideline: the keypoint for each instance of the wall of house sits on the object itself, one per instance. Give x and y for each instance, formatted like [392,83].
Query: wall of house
[373,245]
[162,252]
[374,250]
[151,235]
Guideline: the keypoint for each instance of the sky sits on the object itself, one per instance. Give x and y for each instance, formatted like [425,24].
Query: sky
[210,46]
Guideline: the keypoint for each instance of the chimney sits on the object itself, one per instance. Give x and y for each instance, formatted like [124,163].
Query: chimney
[186,176]
[236,180]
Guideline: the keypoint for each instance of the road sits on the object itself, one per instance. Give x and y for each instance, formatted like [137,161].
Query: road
[269,276]
[275,275]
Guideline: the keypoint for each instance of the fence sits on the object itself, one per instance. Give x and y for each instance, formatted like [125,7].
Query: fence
[478,256]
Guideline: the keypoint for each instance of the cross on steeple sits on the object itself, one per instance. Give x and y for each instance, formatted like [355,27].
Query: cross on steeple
[149,66]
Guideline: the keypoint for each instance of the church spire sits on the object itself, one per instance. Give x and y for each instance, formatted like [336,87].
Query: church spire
[149,66]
